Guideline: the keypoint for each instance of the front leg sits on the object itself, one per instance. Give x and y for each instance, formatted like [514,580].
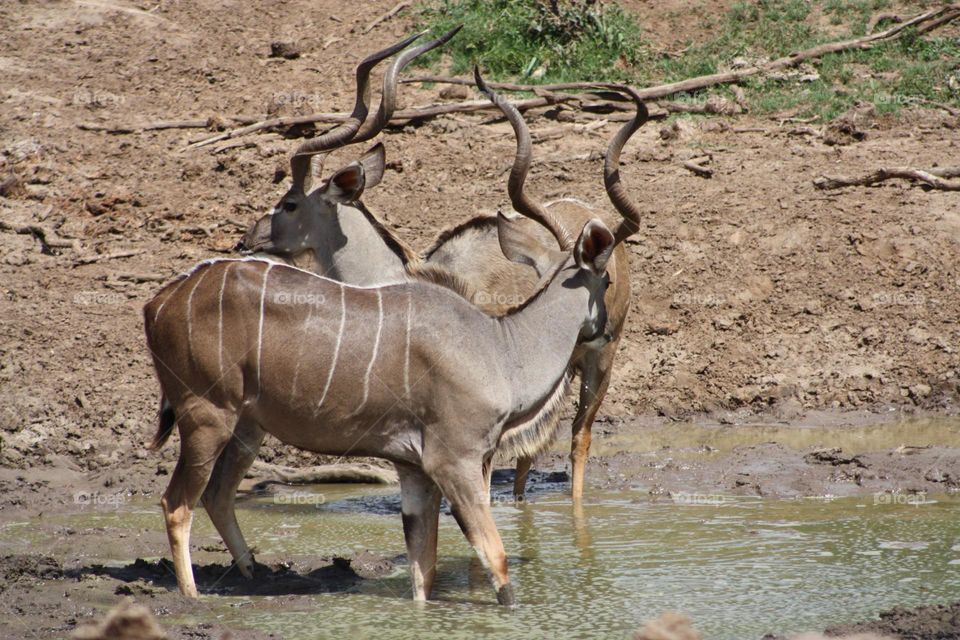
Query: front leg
[420,508]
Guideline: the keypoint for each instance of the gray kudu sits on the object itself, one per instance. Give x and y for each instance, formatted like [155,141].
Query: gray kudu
[330,232]
[412,372]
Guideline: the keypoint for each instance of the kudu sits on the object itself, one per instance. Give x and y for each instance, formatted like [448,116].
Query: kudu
[413,373]
[472,252]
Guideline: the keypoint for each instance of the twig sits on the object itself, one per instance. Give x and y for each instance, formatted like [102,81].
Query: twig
[552,133]
[107,256]
[142,277]
[700,170]
[43,236]
[405,115]
[157,126]
[389,14]
[880,17]
[933,178]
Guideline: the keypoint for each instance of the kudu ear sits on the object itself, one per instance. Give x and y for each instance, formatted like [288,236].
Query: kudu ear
[521,246]
[347,184]
[373,162]
[594,247]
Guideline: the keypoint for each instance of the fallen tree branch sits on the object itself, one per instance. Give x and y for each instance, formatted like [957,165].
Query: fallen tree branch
[206,123]
[107,256]
[698,169]
[389,14]
[934,178]
[405,115]
[45,237]
[324,474]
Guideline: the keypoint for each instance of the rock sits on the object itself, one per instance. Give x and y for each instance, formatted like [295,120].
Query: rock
[919,391]
[285,50]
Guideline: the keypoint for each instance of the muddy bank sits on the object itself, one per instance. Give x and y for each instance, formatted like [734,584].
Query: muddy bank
[45,597]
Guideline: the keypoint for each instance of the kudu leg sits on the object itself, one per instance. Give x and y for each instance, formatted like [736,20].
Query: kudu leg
[202,438]
[420,509]
[219,497]
[465,488]
[524,465]
[594,381]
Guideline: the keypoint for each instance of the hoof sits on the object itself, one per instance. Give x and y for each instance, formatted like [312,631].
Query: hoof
[505,596]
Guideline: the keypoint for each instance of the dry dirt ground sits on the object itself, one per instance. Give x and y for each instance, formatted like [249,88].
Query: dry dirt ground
[756,297]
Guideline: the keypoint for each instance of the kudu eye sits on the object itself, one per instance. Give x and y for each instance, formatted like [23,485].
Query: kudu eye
[289,205]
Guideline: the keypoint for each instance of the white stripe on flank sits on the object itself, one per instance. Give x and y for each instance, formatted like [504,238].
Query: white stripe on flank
[190,310]
[223,284]
[296,369]
[263,295]
[406,359]
[336,349]
[175,289]
[373,356]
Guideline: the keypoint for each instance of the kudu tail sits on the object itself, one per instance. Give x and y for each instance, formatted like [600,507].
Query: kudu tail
[167,421]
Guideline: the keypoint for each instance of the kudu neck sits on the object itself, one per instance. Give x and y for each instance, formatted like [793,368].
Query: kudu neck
[540,337]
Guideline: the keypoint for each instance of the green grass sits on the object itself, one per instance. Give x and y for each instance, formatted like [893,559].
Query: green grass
[527,40]
[540,41]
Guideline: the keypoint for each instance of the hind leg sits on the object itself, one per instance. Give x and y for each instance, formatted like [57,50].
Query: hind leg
[220,495]
[420,508]
[596,369]
[203,435]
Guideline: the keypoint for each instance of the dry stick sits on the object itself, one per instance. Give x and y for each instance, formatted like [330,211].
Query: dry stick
[162,124]
[43,236]
[389,14]
[399,116]
[924,22]
[700,170]
[107,256]
[933,178]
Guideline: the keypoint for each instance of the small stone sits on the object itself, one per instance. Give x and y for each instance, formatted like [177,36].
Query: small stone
[285,50]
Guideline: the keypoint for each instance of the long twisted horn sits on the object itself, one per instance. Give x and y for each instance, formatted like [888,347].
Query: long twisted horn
[388,101]
[611,170]
[522,203]
[342,133]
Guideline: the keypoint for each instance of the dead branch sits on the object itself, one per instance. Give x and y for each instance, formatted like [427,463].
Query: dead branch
[107,256]
[924,23]
[47,239]
[324,474]
[933,178]
[389,14]
[698,169]
[552,133]
[142,277]
[418,113]
[880,17]
[160,125]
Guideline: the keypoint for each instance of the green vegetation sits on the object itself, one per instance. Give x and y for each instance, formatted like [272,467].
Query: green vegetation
[542,41]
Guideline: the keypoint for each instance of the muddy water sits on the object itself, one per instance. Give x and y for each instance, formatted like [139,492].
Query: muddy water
[852,439]
[739,567]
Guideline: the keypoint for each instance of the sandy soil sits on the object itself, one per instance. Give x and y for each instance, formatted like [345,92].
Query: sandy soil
[756,297]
